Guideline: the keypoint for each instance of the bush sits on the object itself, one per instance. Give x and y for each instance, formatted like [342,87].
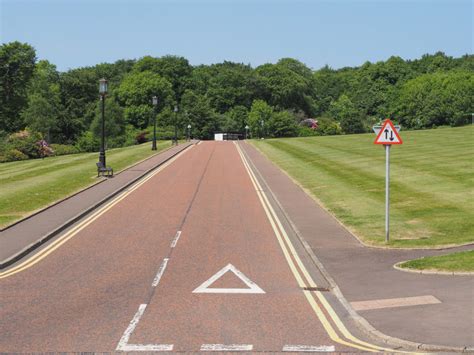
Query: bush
[26,142]
[15,155]
[142,137]
[63,149]
[87,142]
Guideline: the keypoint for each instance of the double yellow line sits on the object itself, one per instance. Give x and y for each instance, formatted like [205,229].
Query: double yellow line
[83,224]
[304,279]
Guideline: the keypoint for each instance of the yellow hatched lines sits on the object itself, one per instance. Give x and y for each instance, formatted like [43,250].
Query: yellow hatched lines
[86,222]
[303,277]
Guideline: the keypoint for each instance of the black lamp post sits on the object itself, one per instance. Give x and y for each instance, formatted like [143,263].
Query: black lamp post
[155,108]
[246,131]
[262,123]
[176,124]
[102,93]
[189,132]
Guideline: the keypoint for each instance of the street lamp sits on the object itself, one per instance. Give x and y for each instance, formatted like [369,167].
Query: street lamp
[155,111]
[262,123]
[246,131]
[176,124]
[102,93]
[189,132]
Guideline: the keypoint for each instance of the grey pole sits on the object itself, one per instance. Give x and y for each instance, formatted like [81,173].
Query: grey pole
[387,193]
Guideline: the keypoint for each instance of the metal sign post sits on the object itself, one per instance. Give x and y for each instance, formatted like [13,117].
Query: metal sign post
[387,134]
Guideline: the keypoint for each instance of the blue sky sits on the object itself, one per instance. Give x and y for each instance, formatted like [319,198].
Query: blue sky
[74,33]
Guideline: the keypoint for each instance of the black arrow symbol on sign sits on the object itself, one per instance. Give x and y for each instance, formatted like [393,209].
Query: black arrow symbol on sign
[386,133]
[391,136]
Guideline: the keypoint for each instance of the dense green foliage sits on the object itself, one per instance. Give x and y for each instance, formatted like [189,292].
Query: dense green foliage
[272,99]
[431,183]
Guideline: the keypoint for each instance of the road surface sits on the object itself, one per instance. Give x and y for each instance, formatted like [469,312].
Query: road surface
[192,258]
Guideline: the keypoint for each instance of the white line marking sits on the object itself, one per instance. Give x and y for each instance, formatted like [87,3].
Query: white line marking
[253,287]
[160,272]
[131,327]
[224,347]
[308,348]
[147,347]
[175,240]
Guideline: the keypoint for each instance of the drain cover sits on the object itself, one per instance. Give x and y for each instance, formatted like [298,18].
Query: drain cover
[322,289]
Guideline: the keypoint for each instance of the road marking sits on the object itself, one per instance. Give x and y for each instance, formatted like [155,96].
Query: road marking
[287,247]
[309,348]
[160,272]
[87,221]
[175,240]
[394,302]
[252,286]
[123,344]
[228,347]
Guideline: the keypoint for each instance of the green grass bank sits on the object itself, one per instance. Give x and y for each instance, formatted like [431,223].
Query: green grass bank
[462,261]
[431,183]
[27,186]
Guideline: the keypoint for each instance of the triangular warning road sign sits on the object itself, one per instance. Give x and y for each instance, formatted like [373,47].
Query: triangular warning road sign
[388,134]
[252,286]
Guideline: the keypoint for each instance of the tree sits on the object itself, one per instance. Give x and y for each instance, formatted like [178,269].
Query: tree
[173,68]
[114,123]
[17,63]
[44,103]
[344,111]
[136,92]
[284,88]
[235,119]
[437,99]
[259,117]
[283,124]
[198,112]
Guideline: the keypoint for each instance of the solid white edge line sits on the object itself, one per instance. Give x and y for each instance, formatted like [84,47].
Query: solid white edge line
[308,348]
[131,327]
[226,347]
[148,347]
[160,272]
[175,240]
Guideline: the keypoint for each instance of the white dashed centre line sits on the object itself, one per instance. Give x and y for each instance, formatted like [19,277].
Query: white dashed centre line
[160,272]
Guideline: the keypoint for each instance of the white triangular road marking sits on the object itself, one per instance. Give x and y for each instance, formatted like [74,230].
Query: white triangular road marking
[252,286]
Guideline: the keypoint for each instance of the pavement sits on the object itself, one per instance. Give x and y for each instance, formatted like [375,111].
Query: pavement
[218,250]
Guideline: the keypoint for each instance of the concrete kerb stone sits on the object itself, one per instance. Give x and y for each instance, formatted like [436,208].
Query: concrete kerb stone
[33,246]
[361,322]
[431,272]
[81,190]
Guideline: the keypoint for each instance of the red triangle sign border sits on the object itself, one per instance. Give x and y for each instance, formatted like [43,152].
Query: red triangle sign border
[386,123]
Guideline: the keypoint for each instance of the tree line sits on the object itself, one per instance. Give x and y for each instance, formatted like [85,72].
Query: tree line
[272,99]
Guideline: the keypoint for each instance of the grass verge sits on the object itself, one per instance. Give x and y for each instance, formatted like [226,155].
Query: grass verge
[27,186]
[431,183]
[461,262]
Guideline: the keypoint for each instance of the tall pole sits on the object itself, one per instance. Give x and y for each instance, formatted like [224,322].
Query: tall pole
[387,193]
[176,124]
[153,146]
[102,135]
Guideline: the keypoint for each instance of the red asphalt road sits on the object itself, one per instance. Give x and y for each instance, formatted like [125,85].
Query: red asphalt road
[83,296]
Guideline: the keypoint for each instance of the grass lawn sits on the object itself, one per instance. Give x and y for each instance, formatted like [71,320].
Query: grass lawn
[27,186]
[462,261]
[431,183]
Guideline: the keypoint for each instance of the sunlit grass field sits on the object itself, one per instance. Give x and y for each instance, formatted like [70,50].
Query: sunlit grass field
[26,186]
[431,183]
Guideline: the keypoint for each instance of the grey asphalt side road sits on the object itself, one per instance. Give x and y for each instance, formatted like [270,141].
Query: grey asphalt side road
[367,274]
[30,233]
